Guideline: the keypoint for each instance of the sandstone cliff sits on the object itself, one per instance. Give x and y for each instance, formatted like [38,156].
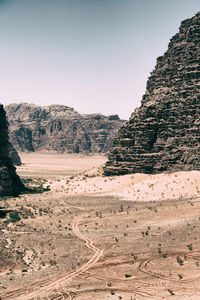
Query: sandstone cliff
[164,133]
[60,128]
[10,183]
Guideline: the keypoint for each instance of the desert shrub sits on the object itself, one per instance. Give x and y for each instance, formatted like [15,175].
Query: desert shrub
[14,217]
[179,261]
[52,262]
[171,292]
[112,293]
[190,247]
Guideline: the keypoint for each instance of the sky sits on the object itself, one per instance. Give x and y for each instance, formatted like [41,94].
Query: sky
[92,55]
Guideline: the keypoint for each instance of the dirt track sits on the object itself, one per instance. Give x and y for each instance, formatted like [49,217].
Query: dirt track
[35,292]
[120,261]
[99,247]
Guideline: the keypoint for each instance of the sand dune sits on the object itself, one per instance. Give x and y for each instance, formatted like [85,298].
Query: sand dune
[134,187]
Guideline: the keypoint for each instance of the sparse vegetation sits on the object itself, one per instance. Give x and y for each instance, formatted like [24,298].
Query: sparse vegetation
[45,242]
[14,217]
[171,292]
[190,247]
[127,275]
[179,261]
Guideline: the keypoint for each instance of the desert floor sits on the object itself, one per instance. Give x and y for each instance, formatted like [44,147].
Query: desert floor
[93,237]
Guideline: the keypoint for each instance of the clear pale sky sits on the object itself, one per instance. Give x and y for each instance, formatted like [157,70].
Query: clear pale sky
[93,55]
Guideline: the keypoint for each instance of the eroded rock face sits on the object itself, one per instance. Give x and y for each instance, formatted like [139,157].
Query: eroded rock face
[164,133]
[60,128]
[10,183]
[15,158]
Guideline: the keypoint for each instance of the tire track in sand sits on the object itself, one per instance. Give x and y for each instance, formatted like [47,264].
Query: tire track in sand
[60,281]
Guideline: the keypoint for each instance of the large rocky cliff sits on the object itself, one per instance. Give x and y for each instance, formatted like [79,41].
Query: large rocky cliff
[60,128]
[10,183]
[164,133]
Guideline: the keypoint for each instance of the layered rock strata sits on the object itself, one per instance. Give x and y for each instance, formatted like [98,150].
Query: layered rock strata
[10,183]
[60,128]
[164,133]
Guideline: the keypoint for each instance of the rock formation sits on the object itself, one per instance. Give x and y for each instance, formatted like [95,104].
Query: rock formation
[10,183]
[60,128]
[164,133]
[14,156]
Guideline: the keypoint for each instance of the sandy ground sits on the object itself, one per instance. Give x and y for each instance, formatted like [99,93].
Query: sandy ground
[49,164]
[133,187]
[93,237]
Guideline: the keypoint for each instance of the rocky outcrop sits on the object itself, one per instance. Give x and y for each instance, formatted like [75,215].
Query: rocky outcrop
[10,183]
[164,133]
[60,128]
[16,160]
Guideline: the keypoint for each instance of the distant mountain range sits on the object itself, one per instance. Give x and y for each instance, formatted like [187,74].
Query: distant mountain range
[60,128]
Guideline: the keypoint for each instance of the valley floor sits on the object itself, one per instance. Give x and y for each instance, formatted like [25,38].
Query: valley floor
[94,237]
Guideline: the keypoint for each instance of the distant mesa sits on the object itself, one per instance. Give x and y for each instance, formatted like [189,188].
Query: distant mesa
[10,183]
[60,128]
[164,133]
